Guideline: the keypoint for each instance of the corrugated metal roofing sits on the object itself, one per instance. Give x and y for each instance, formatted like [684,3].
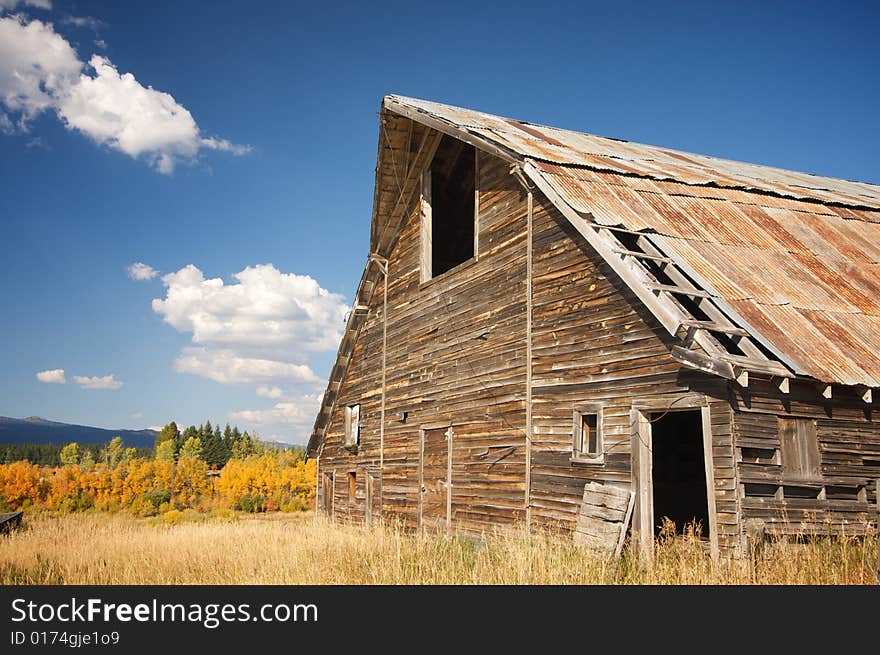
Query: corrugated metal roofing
[796,255]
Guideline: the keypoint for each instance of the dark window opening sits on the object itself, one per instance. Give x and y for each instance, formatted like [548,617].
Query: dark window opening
[791,491]
[846,493]
[679,471]
[453,184]
[758,490]
[758,455]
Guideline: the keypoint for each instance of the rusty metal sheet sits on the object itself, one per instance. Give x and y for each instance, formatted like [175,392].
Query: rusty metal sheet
[796,255]
[579,149]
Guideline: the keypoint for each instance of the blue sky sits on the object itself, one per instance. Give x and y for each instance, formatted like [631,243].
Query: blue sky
[273,165]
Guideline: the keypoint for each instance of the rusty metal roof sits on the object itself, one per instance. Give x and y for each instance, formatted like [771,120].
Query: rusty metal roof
[796,255]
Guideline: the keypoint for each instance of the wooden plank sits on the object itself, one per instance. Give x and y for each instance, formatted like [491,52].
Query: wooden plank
[602,512]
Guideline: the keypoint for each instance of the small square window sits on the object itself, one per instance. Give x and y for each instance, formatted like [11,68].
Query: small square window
[352,426]
[587,434]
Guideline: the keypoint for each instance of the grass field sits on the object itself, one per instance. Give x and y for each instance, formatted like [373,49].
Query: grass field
[93,548]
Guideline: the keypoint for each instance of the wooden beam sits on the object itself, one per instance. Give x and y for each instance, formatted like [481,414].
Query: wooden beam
[714,327]
[699,361]
[784,386]
[766,366]
[742,377]
[682,291]
[623,252]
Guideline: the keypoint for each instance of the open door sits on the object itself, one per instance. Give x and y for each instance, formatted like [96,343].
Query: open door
[679,473]
[673,472]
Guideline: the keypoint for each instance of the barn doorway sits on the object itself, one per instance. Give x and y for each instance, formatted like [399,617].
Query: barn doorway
[673,471]
[435,471]
[327,494]
[679,472]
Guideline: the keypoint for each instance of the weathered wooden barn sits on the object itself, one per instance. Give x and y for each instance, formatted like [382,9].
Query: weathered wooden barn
[549,322]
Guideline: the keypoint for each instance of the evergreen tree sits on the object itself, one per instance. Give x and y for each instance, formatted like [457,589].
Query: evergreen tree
[169,433]
[190,433]
[212,445]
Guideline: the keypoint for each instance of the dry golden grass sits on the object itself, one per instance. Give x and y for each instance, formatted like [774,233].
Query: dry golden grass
[300,549]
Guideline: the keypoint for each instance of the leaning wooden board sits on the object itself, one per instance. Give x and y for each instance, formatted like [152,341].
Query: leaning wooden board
[603,516]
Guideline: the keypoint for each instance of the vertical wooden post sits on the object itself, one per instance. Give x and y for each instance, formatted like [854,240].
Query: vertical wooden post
[449,434]
[643,517]
[318,485]
[385,267]
[877,491]
[421,488]
[528,476]
[708,461]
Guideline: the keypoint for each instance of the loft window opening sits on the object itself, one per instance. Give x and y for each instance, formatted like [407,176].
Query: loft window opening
[352,426]
[449,208]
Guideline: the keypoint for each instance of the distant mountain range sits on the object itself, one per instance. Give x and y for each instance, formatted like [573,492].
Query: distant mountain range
[36,430]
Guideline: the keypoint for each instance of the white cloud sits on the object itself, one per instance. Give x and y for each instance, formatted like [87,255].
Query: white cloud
[53,376]
[12,4]
[298,411]
[104,382]
[266,309]
[226,367]
[141,271]
[269,392]
[137,415]
[36,67]
[39,71]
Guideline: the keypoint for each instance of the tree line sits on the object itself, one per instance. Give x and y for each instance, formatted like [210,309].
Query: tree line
[208,443]
[50,454]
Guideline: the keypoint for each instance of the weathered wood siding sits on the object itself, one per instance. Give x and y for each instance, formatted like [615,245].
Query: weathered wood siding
[455,356]
[849,451]
[592,343]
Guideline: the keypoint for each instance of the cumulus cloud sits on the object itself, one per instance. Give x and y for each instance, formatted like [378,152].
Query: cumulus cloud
[101,383]
[40,71]
[297,411]
[53,376]
[227,367]
[269,392]
[37,66]
[265,310]
[141,271]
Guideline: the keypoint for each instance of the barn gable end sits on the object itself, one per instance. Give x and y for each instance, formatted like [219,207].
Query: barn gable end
[612,288]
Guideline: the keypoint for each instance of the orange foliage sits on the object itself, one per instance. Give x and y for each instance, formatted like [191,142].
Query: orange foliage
[146,486]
